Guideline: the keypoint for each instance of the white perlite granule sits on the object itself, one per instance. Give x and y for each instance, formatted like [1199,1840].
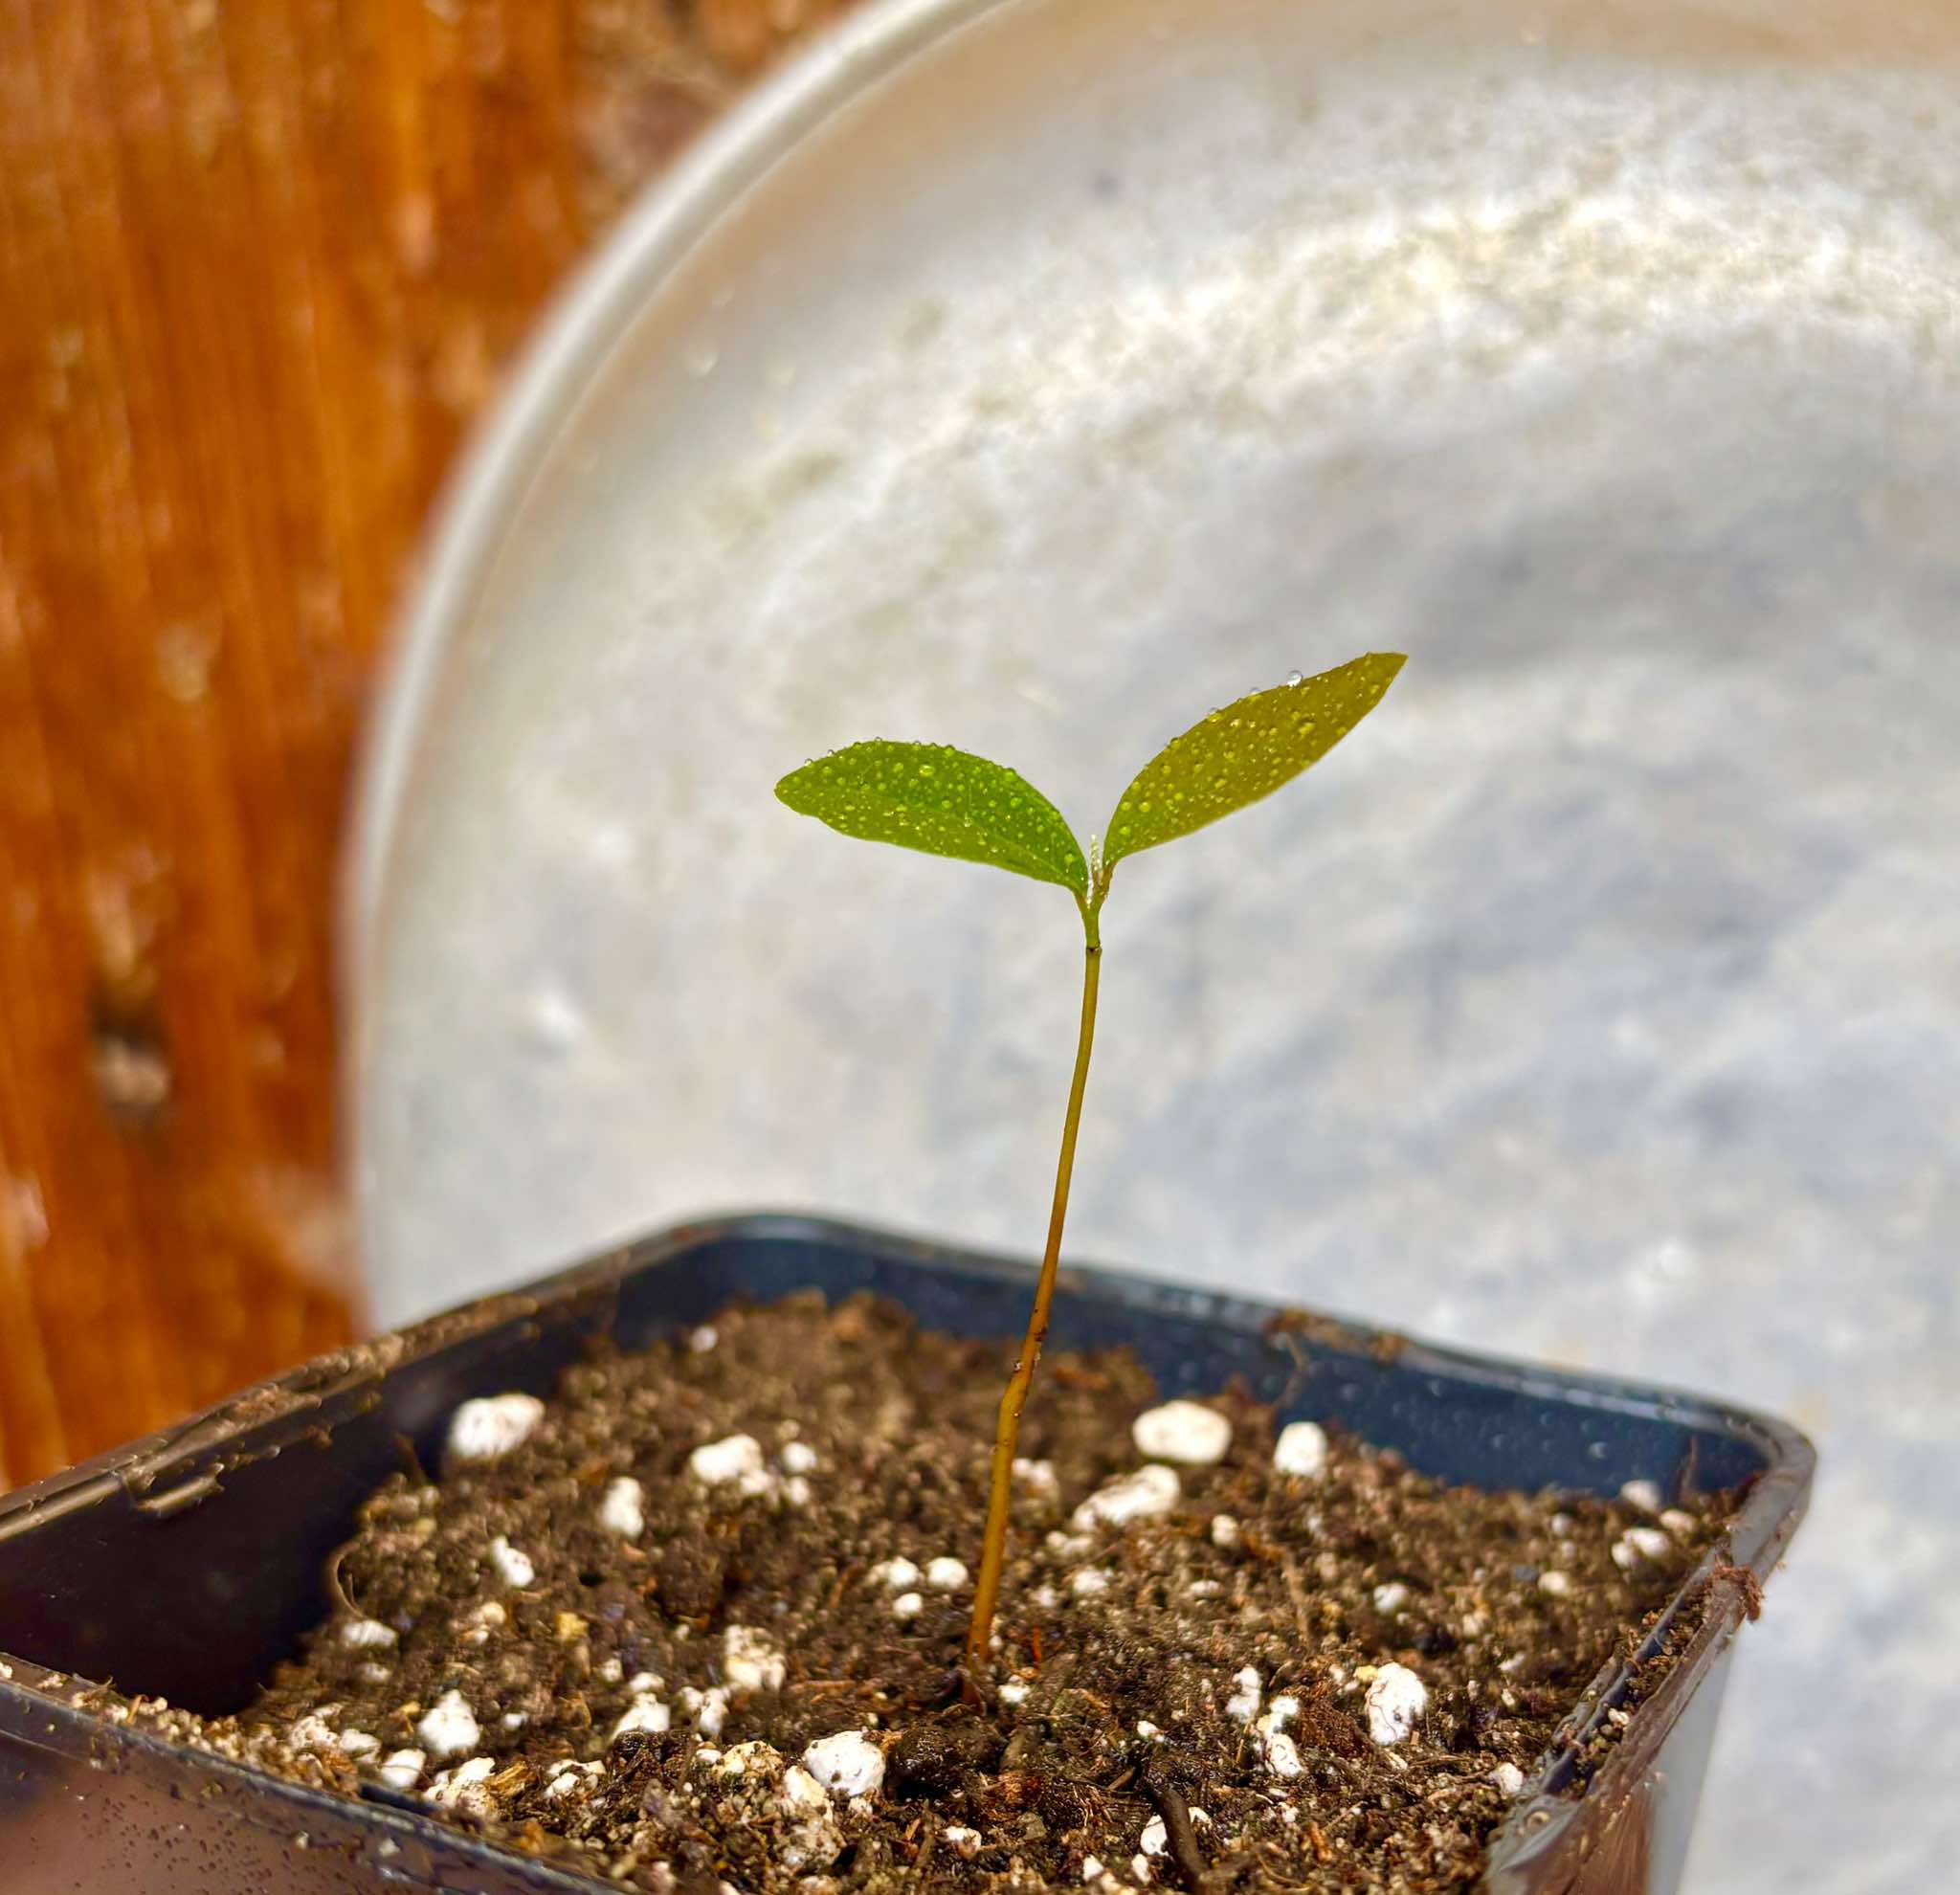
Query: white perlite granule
[750,1662]
[1641,1543]
[513,1567]
[1144,1495]
[646,1712]
[1186,1432]
[1302,1450]
[1155,1841]
[623,1510]
[1395,1699]
[313,1733]
[734,1457]
[450,1727]
[849,1763]
[402,1770]
[569,1777]
[801,1794]
[1642,1494]
[491,1426]
[461,1788]
[1281,1752]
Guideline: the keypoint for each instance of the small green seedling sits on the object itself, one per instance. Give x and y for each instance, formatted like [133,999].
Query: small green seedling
[948,802]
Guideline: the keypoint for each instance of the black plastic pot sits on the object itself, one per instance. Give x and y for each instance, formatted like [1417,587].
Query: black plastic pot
[187,1564]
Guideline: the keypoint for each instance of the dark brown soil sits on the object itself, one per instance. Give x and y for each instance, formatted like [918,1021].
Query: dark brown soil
[646,1703]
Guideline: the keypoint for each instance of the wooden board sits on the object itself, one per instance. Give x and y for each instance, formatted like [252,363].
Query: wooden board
[259,265]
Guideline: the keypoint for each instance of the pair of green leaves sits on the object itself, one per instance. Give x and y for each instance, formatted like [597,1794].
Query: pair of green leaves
[948,802]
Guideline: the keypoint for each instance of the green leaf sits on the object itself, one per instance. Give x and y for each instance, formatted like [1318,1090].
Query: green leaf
[1245,752]
[942,801]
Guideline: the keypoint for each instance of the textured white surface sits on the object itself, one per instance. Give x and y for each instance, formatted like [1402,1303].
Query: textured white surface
[1600,1000]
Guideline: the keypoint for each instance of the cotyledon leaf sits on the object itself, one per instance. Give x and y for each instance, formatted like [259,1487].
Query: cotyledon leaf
[1247,750]
[942,801]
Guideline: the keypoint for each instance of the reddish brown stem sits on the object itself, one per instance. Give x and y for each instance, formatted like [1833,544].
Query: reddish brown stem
[1008,1429]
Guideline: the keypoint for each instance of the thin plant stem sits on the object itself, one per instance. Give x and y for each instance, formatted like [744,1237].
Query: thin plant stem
[1006,1431]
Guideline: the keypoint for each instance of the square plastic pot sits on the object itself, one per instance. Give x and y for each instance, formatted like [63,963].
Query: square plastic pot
[189,1564]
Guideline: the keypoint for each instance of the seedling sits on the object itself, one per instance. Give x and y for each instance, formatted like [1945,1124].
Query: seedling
[948,802]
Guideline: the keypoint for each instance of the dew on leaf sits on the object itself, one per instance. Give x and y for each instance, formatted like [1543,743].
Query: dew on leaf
[1269,738]
[942,801]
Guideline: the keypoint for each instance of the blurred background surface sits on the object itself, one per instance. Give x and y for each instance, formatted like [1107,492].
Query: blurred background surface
[1597,1002]
[261,264]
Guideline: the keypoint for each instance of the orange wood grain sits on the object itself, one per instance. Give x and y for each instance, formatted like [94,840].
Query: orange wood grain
[260,263]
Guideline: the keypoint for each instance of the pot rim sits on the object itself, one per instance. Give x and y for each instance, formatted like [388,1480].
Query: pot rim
[168,1472]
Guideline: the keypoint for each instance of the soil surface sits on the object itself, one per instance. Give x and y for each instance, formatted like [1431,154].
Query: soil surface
[699,1629]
